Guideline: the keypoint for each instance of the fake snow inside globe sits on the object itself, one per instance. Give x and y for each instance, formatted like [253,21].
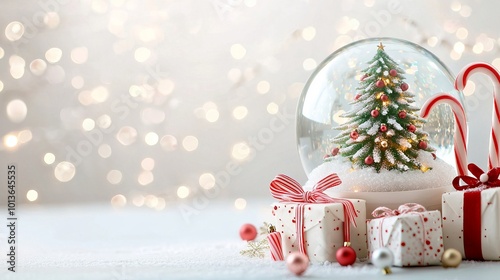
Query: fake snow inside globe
[358,116]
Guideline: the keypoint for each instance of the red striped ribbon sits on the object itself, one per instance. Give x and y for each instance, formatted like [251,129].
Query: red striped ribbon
[286,189]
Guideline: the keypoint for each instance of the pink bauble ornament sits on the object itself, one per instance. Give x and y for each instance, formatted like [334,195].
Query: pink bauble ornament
[369,160]
[393,72]
[422,145]
[404,86]
[375,113]
[402,114]
[384,97]
[346,256]
[412,128]
[383,128]
[248,232]
[364,77]
[357,96]
[335,151]
[380,84]
[297,263]
[354,135]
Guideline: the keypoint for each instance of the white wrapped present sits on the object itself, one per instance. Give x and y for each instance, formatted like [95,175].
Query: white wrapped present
[413,234]
[471,216]
[321,218]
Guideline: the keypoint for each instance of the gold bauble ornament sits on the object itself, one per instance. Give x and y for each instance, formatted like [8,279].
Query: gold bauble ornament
[451,258]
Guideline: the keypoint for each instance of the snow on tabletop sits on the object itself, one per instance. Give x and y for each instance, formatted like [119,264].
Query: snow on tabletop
[368,180]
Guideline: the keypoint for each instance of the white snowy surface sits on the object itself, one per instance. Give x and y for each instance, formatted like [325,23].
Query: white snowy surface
[99,242]
[368,180]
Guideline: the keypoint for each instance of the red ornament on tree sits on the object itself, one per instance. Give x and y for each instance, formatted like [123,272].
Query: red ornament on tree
[412,128]
[404,86]
[369,160]
[383,127]
[248,232]
[346,256]
[364,77]
[375,113]
[422,145]
[402,114]
[357,96]
[335,151]
[384,97]
[393,72]
[354,135]
[380,84]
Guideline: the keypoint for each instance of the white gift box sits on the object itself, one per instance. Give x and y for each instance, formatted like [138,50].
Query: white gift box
[488,207]
[415,239]
[323,229]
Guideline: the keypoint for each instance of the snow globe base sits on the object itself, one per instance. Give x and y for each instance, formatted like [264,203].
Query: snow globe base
[388,188]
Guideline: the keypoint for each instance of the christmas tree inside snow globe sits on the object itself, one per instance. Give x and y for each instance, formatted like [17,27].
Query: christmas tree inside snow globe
[380,148]
[383,130]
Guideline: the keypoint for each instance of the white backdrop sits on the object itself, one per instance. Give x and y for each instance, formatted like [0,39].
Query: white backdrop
[147,103]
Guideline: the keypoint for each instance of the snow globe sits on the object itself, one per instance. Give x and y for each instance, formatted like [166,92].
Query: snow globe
[358,116]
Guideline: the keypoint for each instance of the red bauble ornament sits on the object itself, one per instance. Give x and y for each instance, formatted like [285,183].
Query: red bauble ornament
[354,135]
[383,127]
[393,72]
[248,232]
[335,151]
[346,256]
[375,113]
[412,128]
[369,160]
[297,263]
[380,84]
[404,86]
[384,97]
[402,114]
[422,145]
[357,96]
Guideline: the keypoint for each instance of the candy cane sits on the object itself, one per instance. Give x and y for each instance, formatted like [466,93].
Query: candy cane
[460,136]
[492,73]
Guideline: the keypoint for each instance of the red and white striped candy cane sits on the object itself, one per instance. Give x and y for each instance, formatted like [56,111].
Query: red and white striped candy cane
[492,73]
[460,136]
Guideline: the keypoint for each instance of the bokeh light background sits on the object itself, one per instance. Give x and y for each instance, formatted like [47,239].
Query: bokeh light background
[151,103]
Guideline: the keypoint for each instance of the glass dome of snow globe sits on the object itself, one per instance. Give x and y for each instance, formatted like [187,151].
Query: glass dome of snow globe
[329,94]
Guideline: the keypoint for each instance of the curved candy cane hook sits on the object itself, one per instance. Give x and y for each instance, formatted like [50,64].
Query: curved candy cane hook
[492,73]
[460,136]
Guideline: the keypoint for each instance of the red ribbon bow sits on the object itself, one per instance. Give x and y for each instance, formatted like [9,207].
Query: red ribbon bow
[286,189]
[402,209]
[488,180]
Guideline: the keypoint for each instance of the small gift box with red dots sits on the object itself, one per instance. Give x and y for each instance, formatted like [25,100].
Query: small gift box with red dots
[413,234]
[471,215]
[323,229]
